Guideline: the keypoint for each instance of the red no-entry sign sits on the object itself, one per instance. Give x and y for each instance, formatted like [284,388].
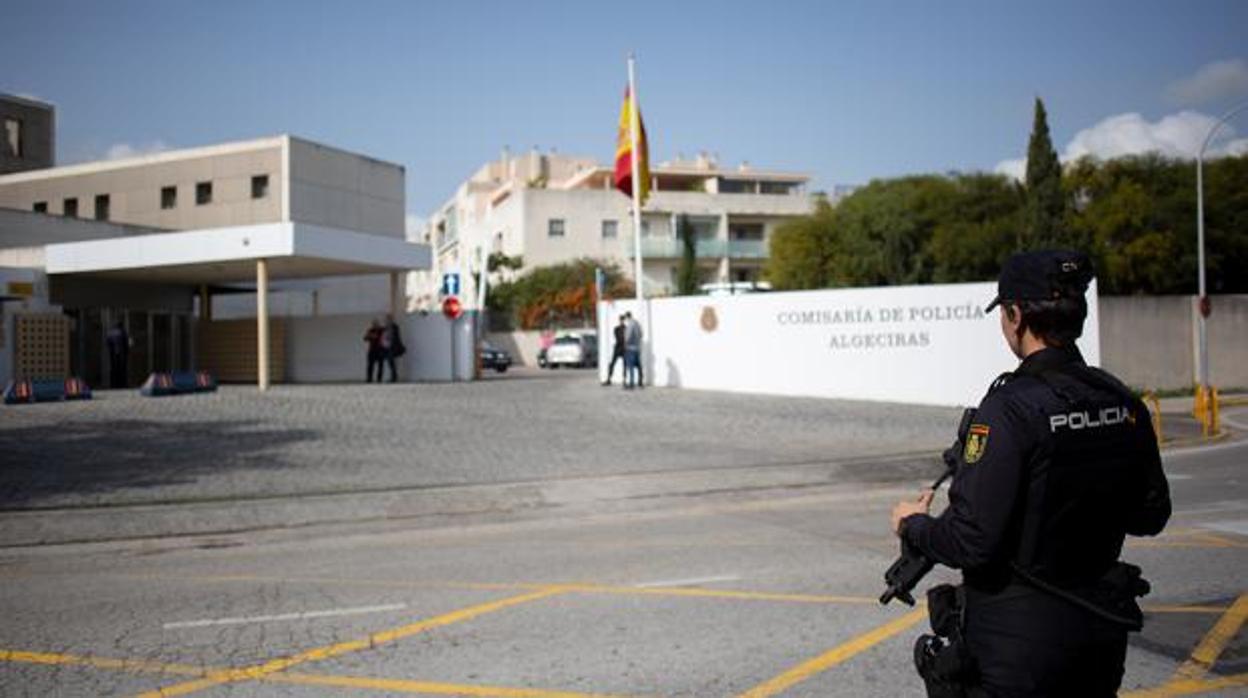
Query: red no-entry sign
[452,308]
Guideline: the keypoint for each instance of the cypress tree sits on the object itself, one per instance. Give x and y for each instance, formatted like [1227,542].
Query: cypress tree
[1045,205]
[687,273]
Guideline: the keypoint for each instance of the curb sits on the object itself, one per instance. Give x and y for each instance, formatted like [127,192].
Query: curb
[21,529]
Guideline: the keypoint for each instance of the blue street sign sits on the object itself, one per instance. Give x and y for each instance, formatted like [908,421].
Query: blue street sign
[450,284]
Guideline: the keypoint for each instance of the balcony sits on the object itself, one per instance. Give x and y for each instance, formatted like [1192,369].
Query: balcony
[672,248]
[747,249]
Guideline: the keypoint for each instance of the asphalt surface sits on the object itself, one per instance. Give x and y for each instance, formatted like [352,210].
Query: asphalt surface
[763,589]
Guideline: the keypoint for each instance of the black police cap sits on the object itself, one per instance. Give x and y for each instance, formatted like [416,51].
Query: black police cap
[1044,275]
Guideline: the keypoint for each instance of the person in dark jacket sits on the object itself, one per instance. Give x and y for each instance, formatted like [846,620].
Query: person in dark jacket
[617,350]
[118,341]
[391,347]
[375,351]
[1060,463]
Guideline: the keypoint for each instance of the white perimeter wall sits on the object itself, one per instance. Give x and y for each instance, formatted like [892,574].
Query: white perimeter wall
[915,344]
[331,348]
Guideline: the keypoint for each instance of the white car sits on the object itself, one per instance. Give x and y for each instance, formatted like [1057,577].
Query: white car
[573,350]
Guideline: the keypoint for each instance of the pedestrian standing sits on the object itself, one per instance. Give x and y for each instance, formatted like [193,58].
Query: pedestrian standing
[392,347]
[617,349]
[372,340]
[632,353]
[118,341]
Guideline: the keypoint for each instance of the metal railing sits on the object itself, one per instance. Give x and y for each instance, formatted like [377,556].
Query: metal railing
[673,248]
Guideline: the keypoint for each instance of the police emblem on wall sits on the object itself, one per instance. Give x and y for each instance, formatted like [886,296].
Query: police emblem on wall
[976,443]
[709,321]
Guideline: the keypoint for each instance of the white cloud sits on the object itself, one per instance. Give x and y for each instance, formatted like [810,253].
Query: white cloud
[1212,82]
[1014,169]
[1176,135]
[121,151]
[415,226]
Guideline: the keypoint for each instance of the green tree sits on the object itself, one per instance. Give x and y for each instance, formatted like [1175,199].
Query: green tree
[800,250]
[687,281]
[979,231]
[1045,210]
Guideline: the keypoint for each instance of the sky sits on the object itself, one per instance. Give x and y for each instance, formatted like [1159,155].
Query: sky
[843,91]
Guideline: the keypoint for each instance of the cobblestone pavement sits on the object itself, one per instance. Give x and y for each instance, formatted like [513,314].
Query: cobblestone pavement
[121,448]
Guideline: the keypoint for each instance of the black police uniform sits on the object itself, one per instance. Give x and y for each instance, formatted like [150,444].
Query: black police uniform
[1060,464]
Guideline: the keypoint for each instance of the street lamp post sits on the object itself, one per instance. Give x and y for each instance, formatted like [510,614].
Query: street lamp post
[1203,331]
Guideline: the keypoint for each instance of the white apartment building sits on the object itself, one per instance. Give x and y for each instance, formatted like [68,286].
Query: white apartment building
[550,208]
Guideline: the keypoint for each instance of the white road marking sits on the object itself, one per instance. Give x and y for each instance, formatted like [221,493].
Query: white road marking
[1236,527]
[305,615]
[1197,450]
[1233,422]
[1177,476]
[1213,508]
[687,582]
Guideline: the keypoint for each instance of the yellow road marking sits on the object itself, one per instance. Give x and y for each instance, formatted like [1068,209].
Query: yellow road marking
[424,687]
[315,654]
[1187,687]
[835,656]
[1186,609]
[1212,644]
[131,665]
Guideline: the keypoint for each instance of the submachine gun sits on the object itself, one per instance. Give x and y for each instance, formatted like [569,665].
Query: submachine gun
[912,565]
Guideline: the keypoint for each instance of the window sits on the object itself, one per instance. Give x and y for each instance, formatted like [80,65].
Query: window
[13,138]
[101,207]
[203,193]
[610,229]
[259,186]
[40,207]
[168,197]
[555,228]
[69,207]
[645,229]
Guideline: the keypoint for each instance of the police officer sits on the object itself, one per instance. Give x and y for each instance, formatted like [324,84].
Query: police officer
[1059,464]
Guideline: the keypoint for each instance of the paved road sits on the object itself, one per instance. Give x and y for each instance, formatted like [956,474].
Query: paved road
[518,427]
[753,592]
[111,467]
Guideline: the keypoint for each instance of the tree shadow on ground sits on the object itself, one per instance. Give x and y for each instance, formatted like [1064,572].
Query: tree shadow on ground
[88,460]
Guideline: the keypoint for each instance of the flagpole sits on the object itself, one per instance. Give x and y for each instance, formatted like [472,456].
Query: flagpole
[635,134]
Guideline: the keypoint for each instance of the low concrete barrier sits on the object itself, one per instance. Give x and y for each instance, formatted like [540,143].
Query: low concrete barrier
[50,390]
[178,383]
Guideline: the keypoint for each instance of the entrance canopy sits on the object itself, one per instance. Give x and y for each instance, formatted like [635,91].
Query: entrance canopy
[213,257]
[228,255]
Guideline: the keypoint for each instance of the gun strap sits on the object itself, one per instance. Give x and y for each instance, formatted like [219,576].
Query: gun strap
[1036,582]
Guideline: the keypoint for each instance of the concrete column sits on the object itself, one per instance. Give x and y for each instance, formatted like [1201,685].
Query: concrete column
[262,324]
[725,263]
[394,293]
[205,303]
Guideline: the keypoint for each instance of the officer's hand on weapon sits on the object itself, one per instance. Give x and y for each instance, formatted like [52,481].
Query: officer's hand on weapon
[907,507]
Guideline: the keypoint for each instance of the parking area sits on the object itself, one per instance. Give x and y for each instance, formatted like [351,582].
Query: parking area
[725,596]
[522,426]
[718,550]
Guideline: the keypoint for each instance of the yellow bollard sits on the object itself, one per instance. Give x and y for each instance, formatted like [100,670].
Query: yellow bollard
[1214,427]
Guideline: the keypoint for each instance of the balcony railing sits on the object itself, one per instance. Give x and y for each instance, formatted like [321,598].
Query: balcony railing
[747,249]
[672,248]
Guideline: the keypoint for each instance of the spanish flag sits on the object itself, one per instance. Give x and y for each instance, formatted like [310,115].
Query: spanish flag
[624,152]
